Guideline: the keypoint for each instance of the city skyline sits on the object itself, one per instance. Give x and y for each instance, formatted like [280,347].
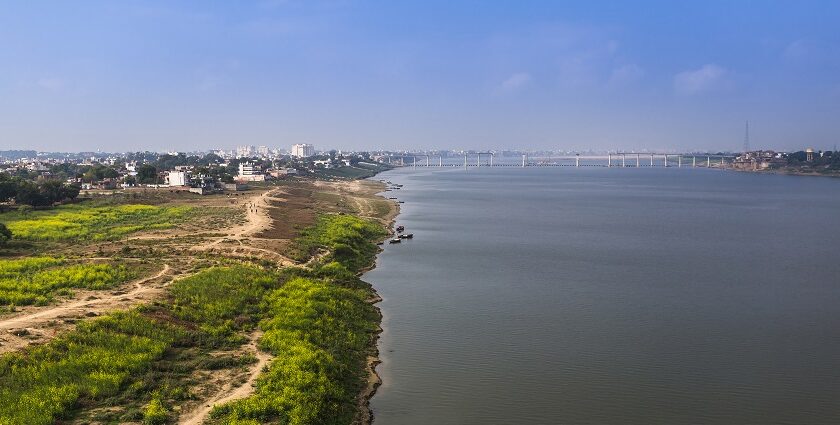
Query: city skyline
[191,76]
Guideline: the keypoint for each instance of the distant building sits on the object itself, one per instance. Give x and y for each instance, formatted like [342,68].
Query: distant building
[244,151]
[178,178]
[303,150]
[809,154]
[248,171]
[263,151]
[280,172]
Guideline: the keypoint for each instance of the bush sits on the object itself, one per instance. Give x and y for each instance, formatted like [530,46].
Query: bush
[155,413]
[5,234]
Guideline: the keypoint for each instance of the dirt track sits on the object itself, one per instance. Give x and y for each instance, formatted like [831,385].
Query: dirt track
[37,324]
[229,392]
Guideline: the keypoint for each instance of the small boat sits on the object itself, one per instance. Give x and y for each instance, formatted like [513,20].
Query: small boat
[407,236]
[392,198]
[395,240]
[400,228]
[401,202]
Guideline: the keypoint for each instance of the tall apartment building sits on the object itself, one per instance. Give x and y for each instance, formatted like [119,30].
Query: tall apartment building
[303,150]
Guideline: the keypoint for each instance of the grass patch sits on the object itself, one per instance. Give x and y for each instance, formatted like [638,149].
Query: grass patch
[320,334]
[91,362]
[320,327]
[37,280]
[222,300]
[347,238]
[86,222]
[142,360]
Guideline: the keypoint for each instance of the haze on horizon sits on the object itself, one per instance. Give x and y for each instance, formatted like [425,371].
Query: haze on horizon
[191,75]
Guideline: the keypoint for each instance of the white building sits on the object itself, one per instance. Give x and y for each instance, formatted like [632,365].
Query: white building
[303,150]
[248,171]
[178,178]
[244,151]
[264,151]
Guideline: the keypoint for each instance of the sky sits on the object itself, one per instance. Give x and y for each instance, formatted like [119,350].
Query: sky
[368,75]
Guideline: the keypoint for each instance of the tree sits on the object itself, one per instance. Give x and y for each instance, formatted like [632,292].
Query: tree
[147,174]
[8,187]
[29,193]
[5,234]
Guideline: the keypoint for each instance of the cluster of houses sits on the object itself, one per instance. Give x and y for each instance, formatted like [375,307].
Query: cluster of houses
[232,171]
[759,160]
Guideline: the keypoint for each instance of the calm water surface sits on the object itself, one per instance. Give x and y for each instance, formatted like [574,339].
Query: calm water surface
[611,296]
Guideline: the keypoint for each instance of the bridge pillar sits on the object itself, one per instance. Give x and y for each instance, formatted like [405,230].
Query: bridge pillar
[440,163]
[679,161]
[577,161]
[623,157]
[651,160]
[523,160]
[693,161]
[638,164]
[708,162]
[478,161]
[666,160]
[491,159]
[465,161]
[609,160]
[427,161]
[415,161]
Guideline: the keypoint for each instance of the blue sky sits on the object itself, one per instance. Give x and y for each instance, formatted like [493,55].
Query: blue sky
[135,75]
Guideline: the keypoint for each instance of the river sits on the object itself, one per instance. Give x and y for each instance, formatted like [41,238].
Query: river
[557,295]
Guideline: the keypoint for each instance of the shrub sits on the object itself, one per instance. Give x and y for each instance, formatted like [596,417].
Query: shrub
[5,234]
[155,413]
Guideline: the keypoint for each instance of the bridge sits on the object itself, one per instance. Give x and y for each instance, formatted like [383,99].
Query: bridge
[619,159]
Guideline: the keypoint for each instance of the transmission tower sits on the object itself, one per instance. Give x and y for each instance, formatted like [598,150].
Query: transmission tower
[747,138]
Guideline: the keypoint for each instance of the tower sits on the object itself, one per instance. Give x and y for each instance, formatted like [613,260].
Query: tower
[747,137]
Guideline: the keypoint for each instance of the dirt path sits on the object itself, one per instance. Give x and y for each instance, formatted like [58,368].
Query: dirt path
[238,239]
[228,392]
[258,220]
[37,324]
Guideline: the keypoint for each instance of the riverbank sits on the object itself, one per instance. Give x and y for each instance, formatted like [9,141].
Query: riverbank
[223,357]
[374,380]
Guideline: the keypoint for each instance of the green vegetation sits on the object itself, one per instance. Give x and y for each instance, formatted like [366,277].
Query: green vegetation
[41,193]
[91,362]
[132,356]
[5,234]
[357,171]
[317,322]
[37,280]
[319,325]
[222,300]
[348,238]
[84,222]
[320,333]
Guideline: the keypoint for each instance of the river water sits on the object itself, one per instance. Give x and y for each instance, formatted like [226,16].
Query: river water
[611,296]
